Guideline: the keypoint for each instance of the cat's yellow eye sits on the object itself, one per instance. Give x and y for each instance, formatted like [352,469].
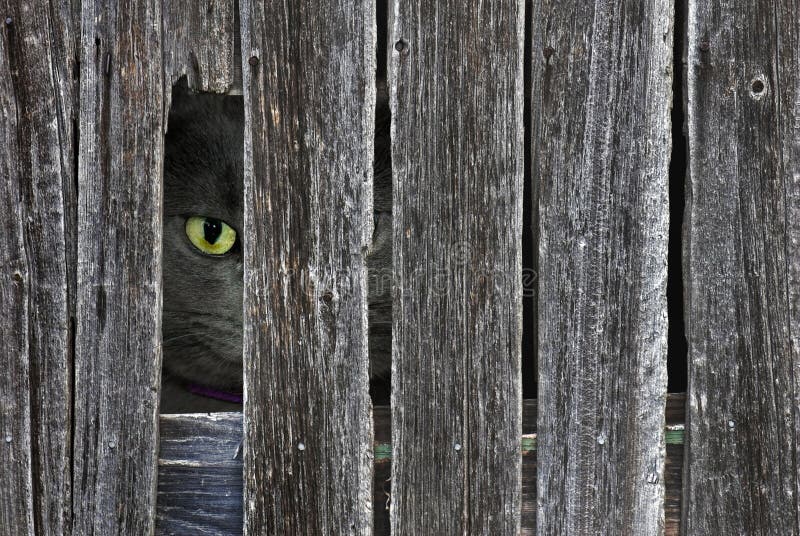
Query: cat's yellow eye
[209,235]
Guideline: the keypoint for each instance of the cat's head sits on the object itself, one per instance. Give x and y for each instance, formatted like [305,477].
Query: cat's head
[202,244]
[203,267]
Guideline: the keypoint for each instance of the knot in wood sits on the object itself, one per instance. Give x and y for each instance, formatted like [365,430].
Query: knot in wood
[758,87]
[402,47]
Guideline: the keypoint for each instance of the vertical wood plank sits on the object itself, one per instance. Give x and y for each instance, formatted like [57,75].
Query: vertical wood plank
[199,43]
[457,154]
[118,355]
[789,120]
[36,61]
[600,140]
[742,251]
[309,89]
[16,507]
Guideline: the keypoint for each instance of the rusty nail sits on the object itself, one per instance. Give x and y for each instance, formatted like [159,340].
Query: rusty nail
[705,45]
[253,61]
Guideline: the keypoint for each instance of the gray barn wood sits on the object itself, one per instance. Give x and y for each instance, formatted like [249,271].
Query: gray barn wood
[457,156]
[201,458]
[117,359]
[742,253]
[80,234]
[36,129]
[118,338]
[199,39]
[200,474]
[600,144]
[309,94]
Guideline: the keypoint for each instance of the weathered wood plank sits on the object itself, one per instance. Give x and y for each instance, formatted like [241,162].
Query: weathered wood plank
[16,480]
[118,355]
[457,154]
[743,261]
[309,91]
[36,92]
[199,44]
[200,468]
[601,75]
[200,474]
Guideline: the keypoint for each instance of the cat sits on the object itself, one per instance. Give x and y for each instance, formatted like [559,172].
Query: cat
[202,254]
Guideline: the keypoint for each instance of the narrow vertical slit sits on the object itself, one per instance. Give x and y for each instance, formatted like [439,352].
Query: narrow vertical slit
[676,336]
[529,234]
[71,193]
[379,274]
[71,417]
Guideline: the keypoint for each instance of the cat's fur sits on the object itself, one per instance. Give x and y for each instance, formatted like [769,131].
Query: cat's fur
[202,319]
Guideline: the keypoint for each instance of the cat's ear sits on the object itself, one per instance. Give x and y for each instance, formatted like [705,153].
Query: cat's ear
[181,105]
[189,106]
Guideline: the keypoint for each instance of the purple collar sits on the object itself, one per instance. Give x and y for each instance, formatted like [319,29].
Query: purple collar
[208,392]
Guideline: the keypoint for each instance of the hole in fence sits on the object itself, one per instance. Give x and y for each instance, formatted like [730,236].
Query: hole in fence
[758,87]
[202,253]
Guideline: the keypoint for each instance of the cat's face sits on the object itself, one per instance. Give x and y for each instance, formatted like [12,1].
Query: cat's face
[203,266]
[202,243]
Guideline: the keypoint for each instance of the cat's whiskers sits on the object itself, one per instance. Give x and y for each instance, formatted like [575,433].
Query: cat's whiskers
[170,340]
[216,316]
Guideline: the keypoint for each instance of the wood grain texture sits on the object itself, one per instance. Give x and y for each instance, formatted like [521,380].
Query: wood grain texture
[36,61]
[16,480]
[200,468]
[199,44]
[457,155]
[200,474]
[309,91]
[118,338]
[601,96]
[743,261]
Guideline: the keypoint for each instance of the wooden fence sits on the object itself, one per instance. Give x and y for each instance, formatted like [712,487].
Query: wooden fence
[584,108]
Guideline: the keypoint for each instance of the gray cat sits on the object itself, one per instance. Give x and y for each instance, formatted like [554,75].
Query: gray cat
[203,265]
